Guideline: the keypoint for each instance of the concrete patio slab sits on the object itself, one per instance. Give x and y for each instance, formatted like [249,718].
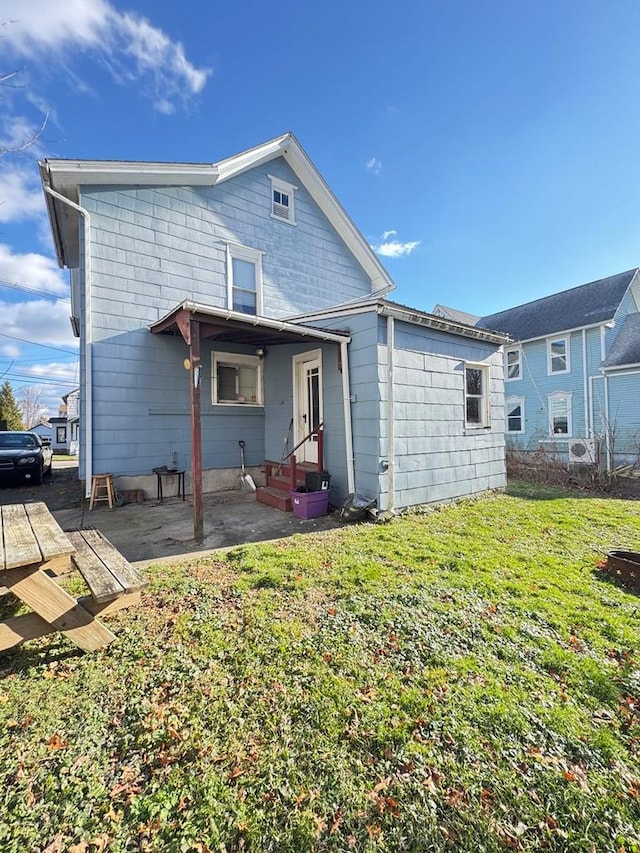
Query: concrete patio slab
[150,530]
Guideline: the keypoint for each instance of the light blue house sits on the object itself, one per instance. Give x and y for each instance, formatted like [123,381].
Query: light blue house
[237,301]
[572,373]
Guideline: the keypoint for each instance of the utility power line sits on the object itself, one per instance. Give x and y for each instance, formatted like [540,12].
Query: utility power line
[15,286]
[36,344]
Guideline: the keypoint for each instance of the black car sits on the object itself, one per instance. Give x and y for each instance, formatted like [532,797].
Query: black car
[24,456]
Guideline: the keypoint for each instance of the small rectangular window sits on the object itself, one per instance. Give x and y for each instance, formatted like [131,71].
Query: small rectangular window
[244,279]
[237,379]
[61,435]
[558,356]
[560,414]
[515,414]
[282,200]
[476,395]
[513,360]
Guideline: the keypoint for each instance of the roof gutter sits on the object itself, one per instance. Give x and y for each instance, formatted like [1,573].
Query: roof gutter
[88,368]
[559,333]
[442,325]
[264,322]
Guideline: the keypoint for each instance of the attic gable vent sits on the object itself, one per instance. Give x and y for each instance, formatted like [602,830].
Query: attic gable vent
[280,209]
[282,200]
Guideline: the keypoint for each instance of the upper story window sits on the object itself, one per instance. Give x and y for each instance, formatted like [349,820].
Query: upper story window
[476,395]
[513,364]
[515,414]
[236,379]
[558,355]
[283,200]
[560,413]
[244,279]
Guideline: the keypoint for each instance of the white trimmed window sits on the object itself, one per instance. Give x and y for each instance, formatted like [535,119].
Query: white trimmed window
[244,279]
[515,414]
[558,356]
[513,364]
[560,414]
[237,379]
[476,395]
[283,200]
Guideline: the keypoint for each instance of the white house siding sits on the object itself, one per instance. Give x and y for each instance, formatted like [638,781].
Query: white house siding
[153,247]
[436,457]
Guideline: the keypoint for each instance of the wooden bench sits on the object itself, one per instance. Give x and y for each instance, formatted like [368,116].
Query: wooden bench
[105,571]
[35,553]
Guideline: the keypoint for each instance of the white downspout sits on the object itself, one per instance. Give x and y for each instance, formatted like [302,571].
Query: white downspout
[391,456]
[585,384]
[348,430]
[88,393]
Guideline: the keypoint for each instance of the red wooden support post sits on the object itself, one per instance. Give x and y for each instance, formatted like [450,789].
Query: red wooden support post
[320,449]
[196,432]
[292,470]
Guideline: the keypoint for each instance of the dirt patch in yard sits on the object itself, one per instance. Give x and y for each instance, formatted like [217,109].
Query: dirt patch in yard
[62,490]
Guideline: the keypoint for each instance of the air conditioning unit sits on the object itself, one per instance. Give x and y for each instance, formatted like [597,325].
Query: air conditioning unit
[582,451]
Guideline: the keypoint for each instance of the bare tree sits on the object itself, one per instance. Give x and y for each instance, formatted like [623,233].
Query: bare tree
[31,405]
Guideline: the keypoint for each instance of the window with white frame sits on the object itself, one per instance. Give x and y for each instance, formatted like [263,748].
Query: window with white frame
[515,414]
[560,413]
[244,279]
[476,395]
[283,200]
[558,355]
[513,364]
[237,379]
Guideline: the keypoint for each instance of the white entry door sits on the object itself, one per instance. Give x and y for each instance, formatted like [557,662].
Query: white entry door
[307,402]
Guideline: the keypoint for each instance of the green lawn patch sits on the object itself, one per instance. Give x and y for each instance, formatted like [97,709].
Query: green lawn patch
[464,679]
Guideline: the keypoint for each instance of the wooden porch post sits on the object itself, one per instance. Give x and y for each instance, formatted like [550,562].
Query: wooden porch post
[196,428]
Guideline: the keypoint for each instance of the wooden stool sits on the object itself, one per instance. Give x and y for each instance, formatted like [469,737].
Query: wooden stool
[102,490]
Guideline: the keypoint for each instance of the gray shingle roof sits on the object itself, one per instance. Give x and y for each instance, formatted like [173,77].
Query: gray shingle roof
[626,347]
[585,305]
[455,314]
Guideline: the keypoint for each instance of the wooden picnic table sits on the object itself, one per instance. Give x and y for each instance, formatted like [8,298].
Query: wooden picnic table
[33,550]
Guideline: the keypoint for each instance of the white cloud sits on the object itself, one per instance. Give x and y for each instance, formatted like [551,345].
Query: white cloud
[37,320]
[31,270]
[374,165]
[131,47]
[9,350]
[390,248]
[20,193]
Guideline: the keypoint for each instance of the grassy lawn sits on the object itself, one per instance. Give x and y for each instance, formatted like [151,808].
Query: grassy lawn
[463,680]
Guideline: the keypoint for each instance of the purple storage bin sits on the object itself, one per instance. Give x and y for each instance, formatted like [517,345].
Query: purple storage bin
[309,504]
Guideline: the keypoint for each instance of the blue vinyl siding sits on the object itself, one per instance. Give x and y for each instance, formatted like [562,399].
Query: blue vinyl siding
[436,458]
[152,248]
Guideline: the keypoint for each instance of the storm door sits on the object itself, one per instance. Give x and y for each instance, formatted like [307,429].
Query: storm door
[307,402]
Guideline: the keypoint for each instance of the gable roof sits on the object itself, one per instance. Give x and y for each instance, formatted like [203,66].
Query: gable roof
[66,176]
[454,314]
[625,349]
[586,305]
[387,308]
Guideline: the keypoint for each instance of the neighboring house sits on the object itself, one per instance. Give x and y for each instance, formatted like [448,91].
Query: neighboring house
[236,301]
[59,441]
[572,374]
[454,314]
[44,430]
[72,402]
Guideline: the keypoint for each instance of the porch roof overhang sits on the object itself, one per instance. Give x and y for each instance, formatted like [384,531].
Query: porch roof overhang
[228,326]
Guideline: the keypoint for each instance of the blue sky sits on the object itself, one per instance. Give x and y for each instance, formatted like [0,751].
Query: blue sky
[488,150]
